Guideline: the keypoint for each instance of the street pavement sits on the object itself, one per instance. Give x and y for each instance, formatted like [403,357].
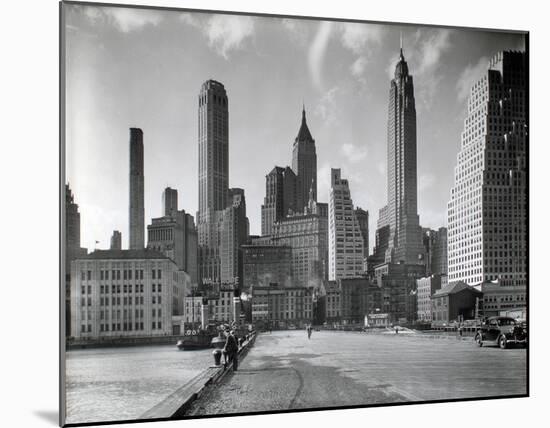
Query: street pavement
[284,370]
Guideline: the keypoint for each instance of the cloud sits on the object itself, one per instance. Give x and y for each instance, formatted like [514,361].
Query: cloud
[298,32]
[225,33]
[123,19]
[432,48]
[327,108]
[358,69]
[317,52]
[228,32]
[354,153]
[469,76]
[360,37]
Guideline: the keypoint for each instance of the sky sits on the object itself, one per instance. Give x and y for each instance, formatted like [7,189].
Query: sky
[130,67]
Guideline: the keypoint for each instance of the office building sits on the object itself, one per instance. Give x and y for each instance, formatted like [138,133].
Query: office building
[304,165]
[125,293]
[402,239]
[487,210]
[345,236]
[280,197]
[264,265]
[116,240]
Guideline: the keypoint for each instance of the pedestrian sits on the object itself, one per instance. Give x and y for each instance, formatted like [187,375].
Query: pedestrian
[396,330]
[308,328]
[231,349]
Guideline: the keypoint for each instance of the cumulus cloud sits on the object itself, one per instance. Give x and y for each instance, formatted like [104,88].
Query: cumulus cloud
[124,19]
[360,37]
[228,32]
[354,153]
[225,33]
[327,108]
[432,47]
[317,52]
[469,76]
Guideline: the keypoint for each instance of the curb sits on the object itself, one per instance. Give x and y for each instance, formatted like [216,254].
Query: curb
[178,403]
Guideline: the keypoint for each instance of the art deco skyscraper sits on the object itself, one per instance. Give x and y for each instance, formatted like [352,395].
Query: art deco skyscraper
[169,201]
[400,215]
[304,164]
[280,197]
[487,211]
[213,150]
[137,210]
[345,235]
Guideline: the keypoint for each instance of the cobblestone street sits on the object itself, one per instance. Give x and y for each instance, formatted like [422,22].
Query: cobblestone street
[285,370]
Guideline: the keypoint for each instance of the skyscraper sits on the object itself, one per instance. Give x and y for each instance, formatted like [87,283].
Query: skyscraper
[169,201]
[137,210]
[487,211]
[280,197]
[304,164]
[435,245]
[233,233]
[400,215]
[213,149]
[345,237]
[116,240]
[363,219]
[213,115]
[175,235]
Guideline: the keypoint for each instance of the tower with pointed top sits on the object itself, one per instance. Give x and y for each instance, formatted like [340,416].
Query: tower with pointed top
[399,218]
[304,164]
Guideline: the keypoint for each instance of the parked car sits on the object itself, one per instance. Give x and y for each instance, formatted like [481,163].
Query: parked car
[501,331]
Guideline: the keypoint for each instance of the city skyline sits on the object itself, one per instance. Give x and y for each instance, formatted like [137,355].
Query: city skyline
[346,115]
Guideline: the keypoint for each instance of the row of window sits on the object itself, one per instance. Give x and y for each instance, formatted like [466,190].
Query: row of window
[116,274]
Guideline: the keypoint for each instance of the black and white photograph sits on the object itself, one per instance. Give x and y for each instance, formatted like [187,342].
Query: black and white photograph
[276,213]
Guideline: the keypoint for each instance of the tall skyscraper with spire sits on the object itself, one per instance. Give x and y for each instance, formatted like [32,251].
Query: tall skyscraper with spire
[137,210]
[399,218]
[304,164]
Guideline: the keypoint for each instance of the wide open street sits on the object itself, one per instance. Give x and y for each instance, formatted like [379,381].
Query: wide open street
[285,370]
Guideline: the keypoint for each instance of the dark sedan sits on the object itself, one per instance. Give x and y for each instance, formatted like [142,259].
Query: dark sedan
[501,331]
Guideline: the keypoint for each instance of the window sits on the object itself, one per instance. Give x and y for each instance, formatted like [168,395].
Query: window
[153,272]
[89,275]
[82,275]
[159,288]
[159,273]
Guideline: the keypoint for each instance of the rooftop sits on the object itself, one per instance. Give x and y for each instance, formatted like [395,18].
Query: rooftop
[124,255]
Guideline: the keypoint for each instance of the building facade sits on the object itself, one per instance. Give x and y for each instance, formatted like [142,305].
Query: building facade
[280,197]
[125,293]
[346,243]
[73,250]
[267,264]
[116,240]
[304,165]
[435,246]
[362,217]
[137,209]
[213,121]
[169,201]
[307,235]
[400,215]
[499,300]
[455,302]
[425,289]
[487,210]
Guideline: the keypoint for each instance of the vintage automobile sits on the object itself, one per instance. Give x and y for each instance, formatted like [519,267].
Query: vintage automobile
[501,331]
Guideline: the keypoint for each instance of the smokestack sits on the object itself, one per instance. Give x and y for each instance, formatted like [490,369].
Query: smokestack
[137,210]
[204,313]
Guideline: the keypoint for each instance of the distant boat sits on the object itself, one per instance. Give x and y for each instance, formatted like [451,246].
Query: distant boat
[196,339]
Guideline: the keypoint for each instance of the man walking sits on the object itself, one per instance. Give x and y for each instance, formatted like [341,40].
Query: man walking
[231,349]
[308,331]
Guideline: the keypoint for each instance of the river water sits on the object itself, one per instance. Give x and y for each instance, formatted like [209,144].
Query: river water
[113,384]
